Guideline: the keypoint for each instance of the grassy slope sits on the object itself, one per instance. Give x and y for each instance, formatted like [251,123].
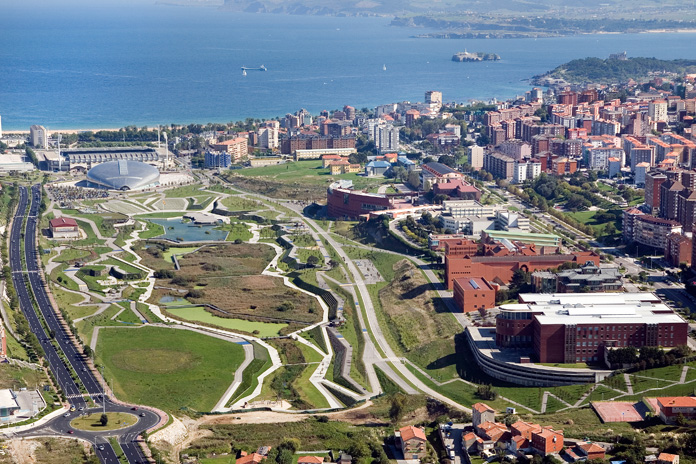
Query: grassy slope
[166,368]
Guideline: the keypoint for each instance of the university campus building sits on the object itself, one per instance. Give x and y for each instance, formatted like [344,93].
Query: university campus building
[571,328]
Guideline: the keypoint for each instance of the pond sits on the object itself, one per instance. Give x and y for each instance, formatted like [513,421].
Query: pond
[177,230]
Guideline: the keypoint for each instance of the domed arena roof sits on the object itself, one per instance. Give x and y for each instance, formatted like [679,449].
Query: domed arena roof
[124,175]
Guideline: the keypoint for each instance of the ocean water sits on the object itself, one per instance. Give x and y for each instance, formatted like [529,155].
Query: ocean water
[103,66]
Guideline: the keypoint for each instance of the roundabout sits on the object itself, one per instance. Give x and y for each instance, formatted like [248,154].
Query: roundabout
[92,422]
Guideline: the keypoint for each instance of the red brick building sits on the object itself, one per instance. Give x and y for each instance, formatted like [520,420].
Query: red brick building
[474,294]
[64,228]
[347,203]
[500,269]
[548,441]
[678,249]
[570,329]
[671,407]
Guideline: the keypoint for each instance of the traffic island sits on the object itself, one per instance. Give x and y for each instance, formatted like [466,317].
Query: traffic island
[93,423]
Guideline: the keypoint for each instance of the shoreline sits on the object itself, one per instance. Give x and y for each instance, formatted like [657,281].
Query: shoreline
[62,131]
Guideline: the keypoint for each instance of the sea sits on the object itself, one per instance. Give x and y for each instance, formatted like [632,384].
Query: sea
[109,65]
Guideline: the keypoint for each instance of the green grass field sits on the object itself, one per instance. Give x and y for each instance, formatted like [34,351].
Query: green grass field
[166,368]
[117,420]
[265,329]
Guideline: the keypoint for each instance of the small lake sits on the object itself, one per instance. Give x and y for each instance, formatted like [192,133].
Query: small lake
[175,229]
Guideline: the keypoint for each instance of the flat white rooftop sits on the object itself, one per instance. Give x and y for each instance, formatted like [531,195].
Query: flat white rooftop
[595,308]
[589,298]
[7,399]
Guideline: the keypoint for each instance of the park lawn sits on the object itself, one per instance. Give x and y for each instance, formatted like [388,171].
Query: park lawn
[183,192]
[71,254]
[666,373]
[309,392]
[237,231]
[91,423]
[601,393]
[86,327]
[166,368]
[241,204]
[304,253]
[124,266]
[151,230]
[162,215]
[67,302]
[353,334]
[147,312]
[178,251]
[310,354]
[91,236]
[58,276]
[308,172]
[198,314]
[229,459]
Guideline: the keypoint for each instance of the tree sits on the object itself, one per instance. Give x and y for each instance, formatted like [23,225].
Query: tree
[284,457]
[396,408]
[413,179]
[87,351]
[291,444]
[103,420]
[286,306]
[312,260]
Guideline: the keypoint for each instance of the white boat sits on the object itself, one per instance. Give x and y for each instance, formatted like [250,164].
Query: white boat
[384,67]
[243,72]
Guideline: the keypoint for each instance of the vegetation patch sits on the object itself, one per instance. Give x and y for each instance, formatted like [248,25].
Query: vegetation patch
[93,422]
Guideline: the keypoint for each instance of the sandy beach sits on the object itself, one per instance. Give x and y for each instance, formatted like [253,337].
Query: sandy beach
[61,131]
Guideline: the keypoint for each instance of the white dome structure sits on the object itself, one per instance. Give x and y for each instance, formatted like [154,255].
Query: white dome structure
[124,175]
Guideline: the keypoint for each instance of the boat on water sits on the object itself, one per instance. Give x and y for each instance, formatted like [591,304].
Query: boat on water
[243,72]
[260,68]
[384,67]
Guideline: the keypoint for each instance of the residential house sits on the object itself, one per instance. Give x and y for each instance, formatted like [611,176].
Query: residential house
[412,441]
[666,458]
[481,413]
[310,460]
[548,441]
[253,458]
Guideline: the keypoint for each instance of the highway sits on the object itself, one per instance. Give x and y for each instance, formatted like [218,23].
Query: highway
[29,272]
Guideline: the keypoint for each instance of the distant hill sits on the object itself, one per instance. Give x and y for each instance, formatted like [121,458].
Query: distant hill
[494,18]
[612,70]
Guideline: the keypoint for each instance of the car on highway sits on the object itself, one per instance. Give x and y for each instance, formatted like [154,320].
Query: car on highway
[142,414]
[67,414]
[101,447]
[71,432]
[72,408]
[134,408]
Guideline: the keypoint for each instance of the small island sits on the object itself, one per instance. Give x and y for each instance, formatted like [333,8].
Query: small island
[477,56]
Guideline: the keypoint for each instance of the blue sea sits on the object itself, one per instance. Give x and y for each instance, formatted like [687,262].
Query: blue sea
[104,66]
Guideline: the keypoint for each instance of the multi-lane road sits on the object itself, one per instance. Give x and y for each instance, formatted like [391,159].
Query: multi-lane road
[55,339]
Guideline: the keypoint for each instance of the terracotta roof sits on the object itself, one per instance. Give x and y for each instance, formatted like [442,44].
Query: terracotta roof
[409,432]
[590,447]
[482,407]
[310,459]
[251,458]
[63,222]
[469,436]
[677,401]
[667,457]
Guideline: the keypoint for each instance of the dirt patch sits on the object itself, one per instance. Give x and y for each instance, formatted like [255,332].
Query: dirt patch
[409,302]
[46,451]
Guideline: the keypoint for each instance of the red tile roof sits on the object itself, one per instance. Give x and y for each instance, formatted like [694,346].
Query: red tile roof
[677,401]
[409,432]
[63,222]
[251,458]
[310,459]
[482,407]
[667,457]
